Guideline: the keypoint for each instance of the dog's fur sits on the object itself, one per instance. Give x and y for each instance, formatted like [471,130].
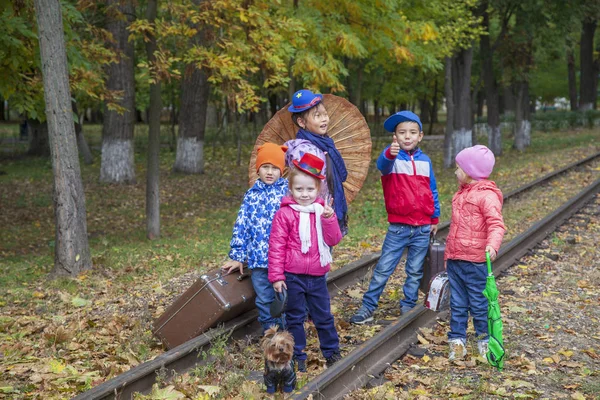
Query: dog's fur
[278,348]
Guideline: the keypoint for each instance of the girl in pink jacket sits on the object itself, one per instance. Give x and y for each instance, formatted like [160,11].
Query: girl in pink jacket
[476,227]
[303,230]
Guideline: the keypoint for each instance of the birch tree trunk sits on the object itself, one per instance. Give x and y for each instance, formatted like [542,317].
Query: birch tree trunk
[522,123]
[189,156]
[72,252]
[461,129]
[491,91]
[117,165]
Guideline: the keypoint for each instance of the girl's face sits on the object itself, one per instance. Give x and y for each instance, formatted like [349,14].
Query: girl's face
[408,135]
[316,120]
[462,177]
[268,173]
[304,189]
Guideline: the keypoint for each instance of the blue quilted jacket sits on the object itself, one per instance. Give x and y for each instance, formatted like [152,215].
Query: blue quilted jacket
[250,240]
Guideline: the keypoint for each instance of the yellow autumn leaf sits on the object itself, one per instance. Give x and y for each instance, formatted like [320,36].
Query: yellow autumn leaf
[578,396]
[426,358]
[422,340]
[210,389]
[566,353]
[56,366]
[548,360]
[38,295]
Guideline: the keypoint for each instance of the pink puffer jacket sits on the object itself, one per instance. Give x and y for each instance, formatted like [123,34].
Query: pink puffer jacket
[476,222]
[285,248]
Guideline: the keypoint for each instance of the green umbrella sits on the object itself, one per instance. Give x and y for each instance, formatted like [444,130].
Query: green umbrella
[495,354]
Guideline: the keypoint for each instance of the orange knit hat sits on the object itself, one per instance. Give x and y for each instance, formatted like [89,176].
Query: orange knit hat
[271,153]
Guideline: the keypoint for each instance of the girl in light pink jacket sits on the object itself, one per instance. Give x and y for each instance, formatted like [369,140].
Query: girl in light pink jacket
[303,231]
[476,227]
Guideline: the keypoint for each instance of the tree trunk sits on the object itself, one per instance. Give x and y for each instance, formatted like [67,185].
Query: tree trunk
[153,173]
[357,92]
[508,99]
[39,144]
[449,93]
[84,149]
[434,106]
[522,123]
[425,106]
[491,91]
[587,96]
[72,252]
[195,89]
[461,130]
[2,115]
[572,78]
[117,165]
[192,121]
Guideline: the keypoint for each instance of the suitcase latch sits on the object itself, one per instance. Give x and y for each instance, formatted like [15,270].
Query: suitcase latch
[222,281]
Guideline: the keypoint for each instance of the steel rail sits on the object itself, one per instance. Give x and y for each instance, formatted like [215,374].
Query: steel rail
[187,355]
[374,356]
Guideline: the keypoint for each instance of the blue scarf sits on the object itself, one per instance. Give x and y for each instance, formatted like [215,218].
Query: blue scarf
[325,143]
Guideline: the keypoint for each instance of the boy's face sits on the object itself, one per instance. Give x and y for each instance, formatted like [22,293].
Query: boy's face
[304,189]
[408,135]
[315,120]
[268,173]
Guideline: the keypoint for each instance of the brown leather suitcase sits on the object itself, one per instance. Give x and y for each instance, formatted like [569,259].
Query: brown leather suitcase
[214,298]
[433,264]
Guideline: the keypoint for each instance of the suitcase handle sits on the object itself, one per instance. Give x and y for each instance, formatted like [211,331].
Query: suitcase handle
[243,276]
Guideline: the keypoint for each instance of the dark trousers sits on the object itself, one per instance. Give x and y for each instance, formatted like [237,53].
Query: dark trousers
[307,291]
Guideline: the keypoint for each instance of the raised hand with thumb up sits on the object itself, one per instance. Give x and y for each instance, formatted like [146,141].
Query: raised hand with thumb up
[395,147]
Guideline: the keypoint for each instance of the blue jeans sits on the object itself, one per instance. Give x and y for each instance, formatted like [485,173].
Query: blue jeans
[399,237]
[311,291]
[264,297]
[467,282]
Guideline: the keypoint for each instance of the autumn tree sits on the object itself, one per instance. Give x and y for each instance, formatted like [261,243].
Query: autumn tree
[72,253]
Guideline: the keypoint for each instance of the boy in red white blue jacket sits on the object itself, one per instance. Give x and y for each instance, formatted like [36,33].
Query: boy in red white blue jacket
[411,201]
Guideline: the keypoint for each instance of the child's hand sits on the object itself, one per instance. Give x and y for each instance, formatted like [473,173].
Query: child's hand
[492,252]
[395,147]
[434,229]
[231,266]
[327,211]
[279,285]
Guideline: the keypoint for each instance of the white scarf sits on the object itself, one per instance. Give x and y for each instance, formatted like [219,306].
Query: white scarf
[304,230]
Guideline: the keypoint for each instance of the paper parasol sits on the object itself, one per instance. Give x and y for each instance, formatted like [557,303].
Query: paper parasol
[347,128]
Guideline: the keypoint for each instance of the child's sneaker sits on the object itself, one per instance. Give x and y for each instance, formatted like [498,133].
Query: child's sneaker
[335,357]
[458,349]
[362,316]
[483,347]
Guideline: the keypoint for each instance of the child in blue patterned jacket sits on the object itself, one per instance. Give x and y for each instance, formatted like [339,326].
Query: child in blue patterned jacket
[252,229]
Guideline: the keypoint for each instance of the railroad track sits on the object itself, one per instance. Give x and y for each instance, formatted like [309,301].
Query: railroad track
[367,360]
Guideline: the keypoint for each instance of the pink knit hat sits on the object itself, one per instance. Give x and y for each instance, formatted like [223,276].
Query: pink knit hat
[477,161]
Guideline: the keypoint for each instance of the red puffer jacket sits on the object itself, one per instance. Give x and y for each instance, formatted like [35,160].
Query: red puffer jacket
[285,248]
[476,222]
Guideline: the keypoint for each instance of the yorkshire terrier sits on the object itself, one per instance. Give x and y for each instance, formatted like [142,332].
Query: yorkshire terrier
[279,366]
